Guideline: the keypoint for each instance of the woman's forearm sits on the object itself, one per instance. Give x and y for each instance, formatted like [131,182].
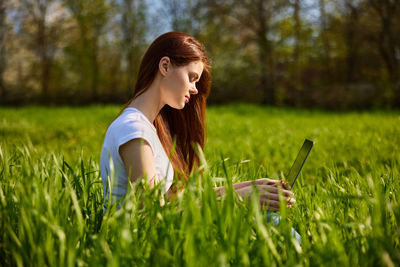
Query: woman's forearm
[220,190]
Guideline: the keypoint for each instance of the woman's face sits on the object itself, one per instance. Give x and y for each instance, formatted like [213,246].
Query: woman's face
[179,82]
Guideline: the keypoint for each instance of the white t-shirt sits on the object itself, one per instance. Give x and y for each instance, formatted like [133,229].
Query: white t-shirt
[131,124]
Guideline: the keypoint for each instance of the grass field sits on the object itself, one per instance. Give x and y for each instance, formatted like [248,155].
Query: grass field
[347,210]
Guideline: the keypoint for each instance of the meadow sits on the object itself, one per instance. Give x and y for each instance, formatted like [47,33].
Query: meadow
[347,207]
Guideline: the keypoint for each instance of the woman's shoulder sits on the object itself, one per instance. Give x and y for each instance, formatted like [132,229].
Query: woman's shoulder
[131,122]
[132,118]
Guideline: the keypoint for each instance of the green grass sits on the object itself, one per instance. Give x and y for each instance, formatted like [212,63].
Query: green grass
[347,209]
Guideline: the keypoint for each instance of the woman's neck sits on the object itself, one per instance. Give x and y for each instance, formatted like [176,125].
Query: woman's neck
[149,102]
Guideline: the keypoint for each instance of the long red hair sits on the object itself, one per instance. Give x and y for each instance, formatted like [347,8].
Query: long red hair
[188,124]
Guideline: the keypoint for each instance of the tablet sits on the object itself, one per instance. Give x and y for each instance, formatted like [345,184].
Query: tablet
[299,162]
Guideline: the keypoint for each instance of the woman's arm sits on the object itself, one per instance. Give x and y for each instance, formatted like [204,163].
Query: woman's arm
[263,181]
[269,192]
[138,159]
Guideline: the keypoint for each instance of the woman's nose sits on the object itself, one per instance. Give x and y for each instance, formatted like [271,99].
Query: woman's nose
[194,90]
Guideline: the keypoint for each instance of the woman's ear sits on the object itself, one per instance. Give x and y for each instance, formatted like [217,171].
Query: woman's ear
[164,65]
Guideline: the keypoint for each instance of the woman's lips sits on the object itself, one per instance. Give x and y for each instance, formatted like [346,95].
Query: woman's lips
[187,98]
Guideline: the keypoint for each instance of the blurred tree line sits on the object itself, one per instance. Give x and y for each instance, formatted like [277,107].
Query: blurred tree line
[311,53]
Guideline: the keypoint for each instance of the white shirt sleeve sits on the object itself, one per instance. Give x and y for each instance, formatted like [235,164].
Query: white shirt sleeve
[131,129]
[128,126]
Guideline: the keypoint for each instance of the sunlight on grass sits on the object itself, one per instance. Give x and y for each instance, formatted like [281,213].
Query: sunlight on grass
[347,209]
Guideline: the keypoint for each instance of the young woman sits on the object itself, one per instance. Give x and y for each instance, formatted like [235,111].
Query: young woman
[169,102]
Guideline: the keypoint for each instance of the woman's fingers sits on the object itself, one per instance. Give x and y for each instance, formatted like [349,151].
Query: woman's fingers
[275,196]
[242,184]
[270,204]
[272,193]
[269,195]
[285,185]
[265,181]
[268,181]
[268,190]
[274,189]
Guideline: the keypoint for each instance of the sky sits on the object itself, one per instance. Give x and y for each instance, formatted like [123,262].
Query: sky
[160,22]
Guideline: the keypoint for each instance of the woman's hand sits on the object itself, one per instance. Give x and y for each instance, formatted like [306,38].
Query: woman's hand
[269,192]
[262,181]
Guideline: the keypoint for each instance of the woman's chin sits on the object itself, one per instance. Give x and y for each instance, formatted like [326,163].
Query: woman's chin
[178,106]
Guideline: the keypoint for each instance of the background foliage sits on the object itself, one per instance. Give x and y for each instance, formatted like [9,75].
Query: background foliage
[320,53]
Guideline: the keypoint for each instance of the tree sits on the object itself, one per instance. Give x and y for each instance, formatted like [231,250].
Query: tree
[352,36]
[296,51]
[388,40]
[255,18]
[3,58]
[41,29]
[183,15]
[133,27]
[91,17]
[323,34]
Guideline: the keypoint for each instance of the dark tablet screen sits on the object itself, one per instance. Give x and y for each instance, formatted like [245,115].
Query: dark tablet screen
[299,162]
